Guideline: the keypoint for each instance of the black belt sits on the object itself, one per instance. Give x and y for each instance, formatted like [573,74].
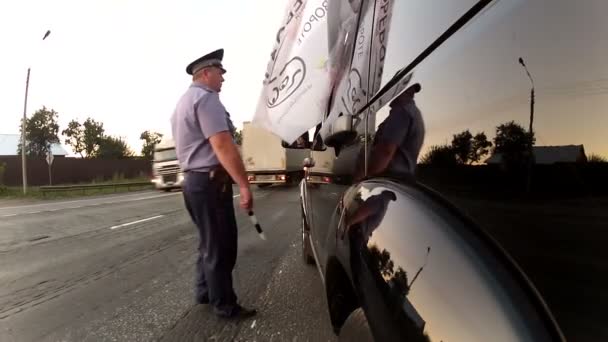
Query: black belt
[216,173]
[205,170]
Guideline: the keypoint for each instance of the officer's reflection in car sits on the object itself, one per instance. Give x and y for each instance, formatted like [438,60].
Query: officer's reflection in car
[366,217]
[397,141]
[360,223]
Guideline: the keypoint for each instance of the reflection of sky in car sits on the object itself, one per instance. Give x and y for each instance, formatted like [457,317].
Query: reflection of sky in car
[455,276]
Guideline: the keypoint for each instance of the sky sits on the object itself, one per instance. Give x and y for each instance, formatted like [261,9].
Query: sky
[122,62]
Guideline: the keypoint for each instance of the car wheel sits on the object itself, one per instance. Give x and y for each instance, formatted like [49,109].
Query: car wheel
[356,328]
[306,247]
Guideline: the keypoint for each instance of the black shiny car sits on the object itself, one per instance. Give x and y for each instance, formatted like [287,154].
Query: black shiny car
[501,233]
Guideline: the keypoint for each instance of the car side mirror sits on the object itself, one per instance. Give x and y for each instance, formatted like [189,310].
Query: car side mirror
[318,145]
[309,162]
[296,146]
[340,133]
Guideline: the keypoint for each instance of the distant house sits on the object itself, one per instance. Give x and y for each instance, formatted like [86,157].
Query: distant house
[9,145]
[546,155]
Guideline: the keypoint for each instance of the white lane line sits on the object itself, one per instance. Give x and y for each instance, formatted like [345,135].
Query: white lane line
[255,195]
[10,215]
[136,222]
[261,195]
[278,214]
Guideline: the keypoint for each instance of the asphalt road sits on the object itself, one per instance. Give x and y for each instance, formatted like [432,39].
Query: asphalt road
[120,268]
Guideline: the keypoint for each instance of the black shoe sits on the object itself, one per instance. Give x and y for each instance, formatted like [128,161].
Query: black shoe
[238,312]
[202,300]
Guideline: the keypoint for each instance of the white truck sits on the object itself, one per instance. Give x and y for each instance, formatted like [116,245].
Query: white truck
[167,174]
[269,160]
[323,168]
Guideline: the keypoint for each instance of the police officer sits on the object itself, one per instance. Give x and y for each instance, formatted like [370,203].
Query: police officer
[210,160]
[398,140]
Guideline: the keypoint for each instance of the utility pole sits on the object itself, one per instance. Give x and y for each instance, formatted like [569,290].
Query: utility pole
[531,151]
[23,121]
[23,149]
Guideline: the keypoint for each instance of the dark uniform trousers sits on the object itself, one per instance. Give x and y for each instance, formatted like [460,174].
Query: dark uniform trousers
[210,204]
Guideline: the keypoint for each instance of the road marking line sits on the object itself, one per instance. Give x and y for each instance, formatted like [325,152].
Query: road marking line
[263,195]
[10,215]
[278,214]
[235,196]
[138,221]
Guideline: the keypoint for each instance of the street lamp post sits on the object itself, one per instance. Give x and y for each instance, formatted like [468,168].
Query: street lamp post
[531,152]
[23,150]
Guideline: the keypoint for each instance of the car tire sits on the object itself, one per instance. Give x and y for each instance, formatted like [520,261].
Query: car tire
[356,328]
[306,247]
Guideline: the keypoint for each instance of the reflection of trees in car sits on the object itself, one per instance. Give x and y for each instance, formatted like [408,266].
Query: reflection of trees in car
[470,149]
[399,289]
[439,155]
[465,149]
[397,279]
[385,266]
[481,147]
[513,142]
[366,218]
[596,158]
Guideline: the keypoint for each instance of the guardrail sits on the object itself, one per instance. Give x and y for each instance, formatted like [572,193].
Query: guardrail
[85,187]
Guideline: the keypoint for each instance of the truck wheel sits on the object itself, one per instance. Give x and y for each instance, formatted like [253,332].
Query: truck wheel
[306,247]
[356,328]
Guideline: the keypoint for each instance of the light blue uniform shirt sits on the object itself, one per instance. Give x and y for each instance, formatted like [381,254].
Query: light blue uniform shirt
[198,116]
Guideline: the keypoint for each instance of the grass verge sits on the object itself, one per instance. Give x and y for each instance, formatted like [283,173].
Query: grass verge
[34,192]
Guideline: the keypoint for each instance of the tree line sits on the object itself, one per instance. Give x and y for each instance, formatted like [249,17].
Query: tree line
[512,141]
[88,139]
